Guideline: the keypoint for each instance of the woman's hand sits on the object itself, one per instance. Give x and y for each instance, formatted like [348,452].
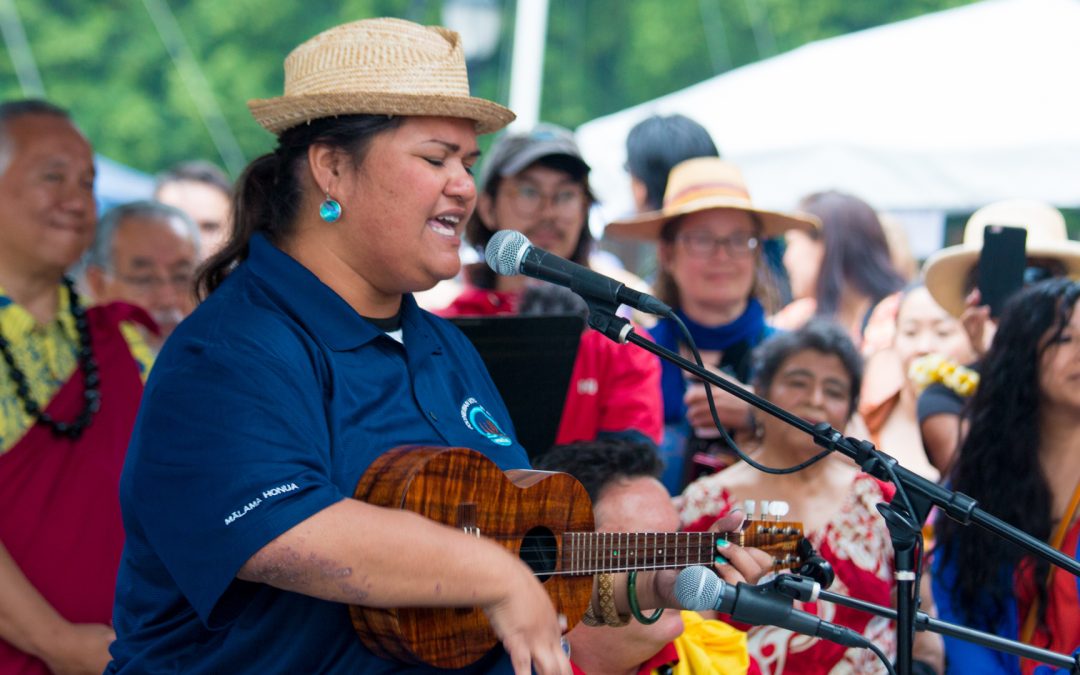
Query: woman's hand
[733,413]
[735,563]
[530,631]
[81,649]
[739,564]
[977,323]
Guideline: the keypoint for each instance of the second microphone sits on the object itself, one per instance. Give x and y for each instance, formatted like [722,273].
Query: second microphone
[510,253]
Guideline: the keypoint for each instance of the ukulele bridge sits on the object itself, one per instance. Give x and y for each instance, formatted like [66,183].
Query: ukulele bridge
[466,519]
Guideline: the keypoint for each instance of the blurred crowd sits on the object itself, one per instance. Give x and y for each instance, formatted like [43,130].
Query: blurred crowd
[821,310]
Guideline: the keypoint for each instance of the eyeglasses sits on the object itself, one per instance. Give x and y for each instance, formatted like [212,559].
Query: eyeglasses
[530,200]
[1036,273]
[704,245]
[145,284]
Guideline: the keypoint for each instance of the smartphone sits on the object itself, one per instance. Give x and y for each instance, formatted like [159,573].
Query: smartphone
[1001,265]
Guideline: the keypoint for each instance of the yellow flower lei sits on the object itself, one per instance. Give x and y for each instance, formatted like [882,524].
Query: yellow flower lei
[932,368]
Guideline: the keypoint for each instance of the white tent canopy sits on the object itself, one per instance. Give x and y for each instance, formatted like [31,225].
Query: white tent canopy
[944,112]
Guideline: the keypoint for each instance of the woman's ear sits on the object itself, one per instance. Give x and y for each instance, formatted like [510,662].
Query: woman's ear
[641,194]
[326,164]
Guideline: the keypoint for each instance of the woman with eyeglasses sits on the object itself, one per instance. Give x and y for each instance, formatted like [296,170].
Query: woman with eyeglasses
[709,235]
[537,183]
[815,373]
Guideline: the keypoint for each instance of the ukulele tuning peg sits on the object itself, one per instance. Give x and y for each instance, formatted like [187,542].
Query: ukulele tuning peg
[765,504]
[779,509]
[749,506]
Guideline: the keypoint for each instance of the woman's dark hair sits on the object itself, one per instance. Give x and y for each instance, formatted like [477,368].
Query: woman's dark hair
[998,462]
[270,191]
[764,288]
[478,233]
[656,144]
[819,335]
[856,251]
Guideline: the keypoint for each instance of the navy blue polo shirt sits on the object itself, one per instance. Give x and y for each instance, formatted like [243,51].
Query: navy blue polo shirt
[265,407]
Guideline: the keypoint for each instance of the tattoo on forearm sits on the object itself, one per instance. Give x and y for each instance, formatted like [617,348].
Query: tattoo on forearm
[291,569]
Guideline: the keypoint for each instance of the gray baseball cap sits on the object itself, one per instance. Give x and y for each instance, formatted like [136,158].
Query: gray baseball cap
[513,153]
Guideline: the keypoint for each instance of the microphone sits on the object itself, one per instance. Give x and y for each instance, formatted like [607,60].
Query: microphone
[509,253]
[698,588]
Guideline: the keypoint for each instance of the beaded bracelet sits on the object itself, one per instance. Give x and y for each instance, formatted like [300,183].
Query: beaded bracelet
[635,609]
[609,615]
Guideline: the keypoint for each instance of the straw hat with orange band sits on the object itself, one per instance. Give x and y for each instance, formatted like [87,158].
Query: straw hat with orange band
[702,184]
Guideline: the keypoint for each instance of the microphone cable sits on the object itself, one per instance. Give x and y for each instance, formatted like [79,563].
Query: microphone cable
[716,416]
[901,492]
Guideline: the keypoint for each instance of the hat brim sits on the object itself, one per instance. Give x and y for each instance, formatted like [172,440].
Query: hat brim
[946,271]
[649,225]
[284,112]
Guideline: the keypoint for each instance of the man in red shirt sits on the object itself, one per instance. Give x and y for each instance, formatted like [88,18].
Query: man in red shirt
[621,479]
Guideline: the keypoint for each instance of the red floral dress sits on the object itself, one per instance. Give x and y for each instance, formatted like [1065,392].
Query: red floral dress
[856,543]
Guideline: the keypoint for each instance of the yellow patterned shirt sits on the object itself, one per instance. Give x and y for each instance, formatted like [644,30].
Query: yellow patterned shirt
[710,647]
[48,355]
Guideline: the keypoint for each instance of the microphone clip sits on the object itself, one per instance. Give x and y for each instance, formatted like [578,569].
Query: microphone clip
[795,587]
[604,319]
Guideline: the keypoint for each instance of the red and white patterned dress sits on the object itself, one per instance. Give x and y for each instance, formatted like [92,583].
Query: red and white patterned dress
[856,543]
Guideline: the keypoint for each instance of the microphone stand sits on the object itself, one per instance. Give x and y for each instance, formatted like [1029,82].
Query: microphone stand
[923,621]
[903,522]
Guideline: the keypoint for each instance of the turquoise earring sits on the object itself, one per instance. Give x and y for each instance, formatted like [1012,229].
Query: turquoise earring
[329,210]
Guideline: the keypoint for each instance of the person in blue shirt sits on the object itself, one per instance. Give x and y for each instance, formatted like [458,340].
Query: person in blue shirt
[1018,460]
[712,273]
[309,359]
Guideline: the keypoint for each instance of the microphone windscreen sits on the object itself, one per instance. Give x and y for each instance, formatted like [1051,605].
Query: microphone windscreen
[698,588]
[504,251]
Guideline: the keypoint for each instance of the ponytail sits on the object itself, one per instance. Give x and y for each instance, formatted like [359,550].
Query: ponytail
[270,190]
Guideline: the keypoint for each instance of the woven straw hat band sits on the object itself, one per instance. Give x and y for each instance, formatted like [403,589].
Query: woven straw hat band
[400,58]
[693,193]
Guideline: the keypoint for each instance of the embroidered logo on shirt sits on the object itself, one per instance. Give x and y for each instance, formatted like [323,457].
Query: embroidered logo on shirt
[588,386]
[254,503]
[480,420]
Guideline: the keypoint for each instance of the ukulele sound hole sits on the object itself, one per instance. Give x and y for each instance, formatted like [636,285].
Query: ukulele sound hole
[539,550]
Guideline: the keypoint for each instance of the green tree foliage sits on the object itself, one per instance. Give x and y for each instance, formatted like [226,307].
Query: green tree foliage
[606,55]
[107,62]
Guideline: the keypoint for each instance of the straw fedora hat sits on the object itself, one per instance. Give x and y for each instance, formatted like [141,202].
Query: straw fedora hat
[381,67]
[702,184]
[947,271]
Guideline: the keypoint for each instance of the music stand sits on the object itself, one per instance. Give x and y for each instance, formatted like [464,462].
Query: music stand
[530,359]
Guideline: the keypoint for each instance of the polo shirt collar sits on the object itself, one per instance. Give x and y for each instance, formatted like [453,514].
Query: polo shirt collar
[16,319]
[313,303]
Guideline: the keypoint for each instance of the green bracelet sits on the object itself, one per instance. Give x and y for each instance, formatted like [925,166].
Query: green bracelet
[631,595]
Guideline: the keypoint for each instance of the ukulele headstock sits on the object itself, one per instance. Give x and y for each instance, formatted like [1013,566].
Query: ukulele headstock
[778,538]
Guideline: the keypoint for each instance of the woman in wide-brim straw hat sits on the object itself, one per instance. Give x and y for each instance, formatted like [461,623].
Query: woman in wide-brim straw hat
[951,276]
[711,271]
[951,272]
[307,361]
